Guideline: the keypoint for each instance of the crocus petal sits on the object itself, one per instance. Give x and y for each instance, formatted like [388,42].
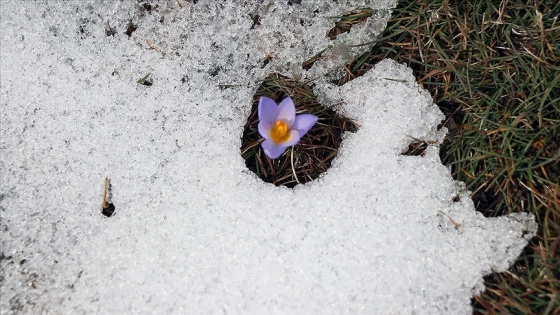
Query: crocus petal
[272,150]
[267,111]
[286,111]
[303,123]
[294,138]
[264,129]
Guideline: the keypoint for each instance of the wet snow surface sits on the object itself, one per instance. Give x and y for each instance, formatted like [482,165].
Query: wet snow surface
[194,231]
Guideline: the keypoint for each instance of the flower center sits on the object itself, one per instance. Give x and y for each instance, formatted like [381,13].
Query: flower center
[279,132]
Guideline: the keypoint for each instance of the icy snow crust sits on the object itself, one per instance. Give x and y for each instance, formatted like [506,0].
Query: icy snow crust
[195,232]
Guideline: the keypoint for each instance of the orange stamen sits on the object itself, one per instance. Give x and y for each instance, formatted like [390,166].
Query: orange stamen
[280,132]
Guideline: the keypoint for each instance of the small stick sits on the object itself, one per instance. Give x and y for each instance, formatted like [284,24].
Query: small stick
[455,224]
[108,208]
[110,32]
[104,205]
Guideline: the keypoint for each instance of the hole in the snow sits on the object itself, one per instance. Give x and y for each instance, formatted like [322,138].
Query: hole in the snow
[306,65]
[130,28]
[309,158]
[346,21]
[267,59]
[256,20]
[108,210]
[416,148]
[146,6]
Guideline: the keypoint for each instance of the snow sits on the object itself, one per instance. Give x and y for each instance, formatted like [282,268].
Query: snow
[194,231]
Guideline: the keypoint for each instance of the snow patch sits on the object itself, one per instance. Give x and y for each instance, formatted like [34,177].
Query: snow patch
[194,230]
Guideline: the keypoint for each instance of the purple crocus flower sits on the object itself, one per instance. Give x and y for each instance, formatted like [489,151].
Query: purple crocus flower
[280,127]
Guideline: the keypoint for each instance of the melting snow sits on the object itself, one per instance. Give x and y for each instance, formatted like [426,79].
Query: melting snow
[194,230]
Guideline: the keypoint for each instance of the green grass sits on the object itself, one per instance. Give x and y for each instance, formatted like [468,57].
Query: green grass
[493,68]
